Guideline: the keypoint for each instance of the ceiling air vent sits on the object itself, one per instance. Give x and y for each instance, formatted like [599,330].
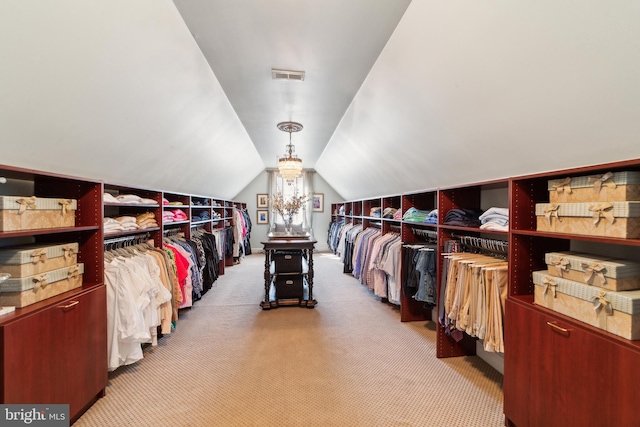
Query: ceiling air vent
[287,75]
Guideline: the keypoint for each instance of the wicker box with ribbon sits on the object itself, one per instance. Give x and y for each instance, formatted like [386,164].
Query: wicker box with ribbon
[24,291]
[30,213]
[609,187]
[28,260]
[603,272]
[606,219]
[615,312]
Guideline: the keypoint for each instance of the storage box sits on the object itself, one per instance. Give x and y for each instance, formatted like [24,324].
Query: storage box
[606,219]
[288,261]
[608,187]
[608,273]
[289,286]
[30,213]
[615,312]
[22,261]
[24,291]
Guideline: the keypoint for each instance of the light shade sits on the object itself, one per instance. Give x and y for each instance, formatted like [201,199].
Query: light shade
[290,166]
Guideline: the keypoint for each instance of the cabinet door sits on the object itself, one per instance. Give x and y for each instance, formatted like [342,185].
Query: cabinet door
[58,355]
[561,373]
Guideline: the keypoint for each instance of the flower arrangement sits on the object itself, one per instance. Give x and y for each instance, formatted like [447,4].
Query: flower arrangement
[288,208]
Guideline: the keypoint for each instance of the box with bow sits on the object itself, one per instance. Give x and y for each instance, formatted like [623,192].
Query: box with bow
[615,312]
[31,213]
[605,219]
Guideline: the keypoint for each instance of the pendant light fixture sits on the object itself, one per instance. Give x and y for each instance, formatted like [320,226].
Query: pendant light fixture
[290,166]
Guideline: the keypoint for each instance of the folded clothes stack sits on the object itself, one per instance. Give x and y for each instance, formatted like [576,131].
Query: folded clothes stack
[495,219]
[120,224]
[389,212]
[463,217]
[432,218]
[200,216]
[126,199]
[174,215]
[415,215]
[146,220]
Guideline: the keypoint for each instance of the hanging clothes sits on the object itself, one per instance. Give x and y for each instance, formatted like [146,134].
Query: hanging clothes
[138,302]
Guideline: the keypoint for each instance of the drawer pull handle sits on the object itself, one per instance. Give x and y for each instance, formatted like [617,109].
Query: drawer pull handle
[289,282]
[287,257]
[558,328]
[71,304]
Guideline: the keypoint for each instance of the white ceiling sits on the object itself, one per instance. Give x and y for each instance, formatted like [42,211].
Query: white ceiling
[336,42]
[400,96]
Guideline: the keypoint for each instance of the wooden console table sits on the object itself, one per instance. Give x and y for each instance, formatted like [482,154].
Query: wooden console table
[306,245]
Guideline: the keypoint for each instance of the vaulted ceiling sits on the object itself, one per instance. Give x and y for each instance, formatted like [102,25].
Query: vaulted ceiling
[398,95]
[335,42]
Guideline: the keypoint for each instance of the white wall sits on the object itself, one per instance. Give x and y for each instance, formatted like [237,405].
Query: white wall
[117,90]
[468,91]
[321,220]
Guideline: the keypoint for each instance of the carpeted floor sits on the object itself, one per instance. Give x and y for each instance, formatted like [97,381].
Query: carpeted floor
[347,362]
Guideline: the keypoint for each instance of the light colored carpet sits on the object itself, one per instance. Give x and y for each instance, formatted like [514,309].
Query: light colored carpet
[347,362]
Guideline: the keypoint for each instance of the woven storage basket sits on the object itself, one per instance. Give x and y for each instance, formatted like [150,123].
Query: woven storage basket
[31,213]
[24,291]
[606,219]
[590,304]
[22,261]
[608,273]
[608,187]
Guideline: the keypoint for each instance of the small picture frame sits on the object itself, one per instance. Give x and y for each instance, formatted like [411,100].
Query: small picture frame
[263,217]
[262,201]
[317,202]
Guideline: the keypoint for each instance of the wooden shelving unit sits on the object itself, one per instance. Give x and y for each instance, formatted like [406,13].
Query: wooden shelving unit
[555,367]
[55,351]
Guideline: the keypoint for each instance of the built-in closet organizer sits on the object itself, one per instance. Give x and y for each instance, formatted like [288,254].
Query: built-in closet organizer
[54,351]
[176,202]
[477,196]
[201,212]
[560,371]
[416,232]
[133,202]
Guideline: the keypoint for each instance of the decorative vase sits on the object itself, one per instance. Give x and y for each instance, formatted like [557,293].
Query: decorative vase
[288,226]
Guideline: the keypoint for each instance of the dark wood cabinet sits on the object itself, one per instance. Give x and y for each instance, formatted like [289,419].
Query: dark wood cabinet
[559,372]
[57,354]
[55,351]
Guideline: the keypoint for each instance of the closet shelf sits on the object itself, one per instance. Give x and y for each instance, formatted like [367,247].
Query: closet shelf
[586,238]
[44,231]
[130,233]
[131,205]
[472,229]
[419,224]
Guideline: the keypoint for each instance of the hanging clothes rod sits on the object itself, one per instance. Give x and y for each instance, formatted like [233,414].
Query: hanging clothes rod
[482,243]
[171,231]
[136,238]
[425,234]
